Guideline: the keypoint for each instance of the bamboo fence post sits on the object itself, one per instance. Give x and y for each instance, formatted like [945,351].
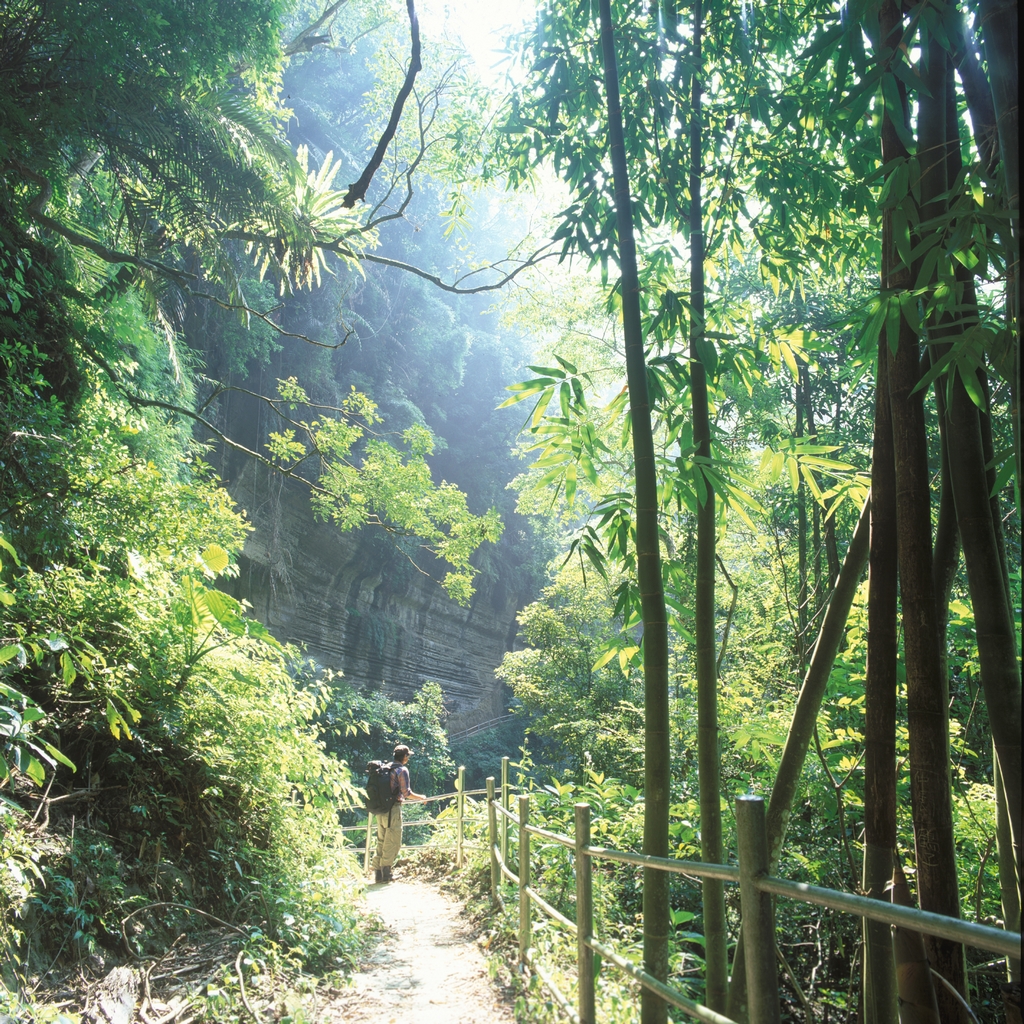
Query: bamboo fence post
[492,838]
[584,917]
[525,926]
[460,807]
[506,804]
[369,833]
[757,912]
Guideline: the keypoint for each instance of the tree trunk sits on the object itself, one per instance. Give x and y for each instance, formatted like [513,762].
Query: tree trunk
[972,430]
[927,714]
[999,32]
[1008,887]
[931,799]
[801,730]
[918,1003]
[801,536]
[996,633]
[652,597]
[716,981]
[977,93]
[946,555]
[880,1005]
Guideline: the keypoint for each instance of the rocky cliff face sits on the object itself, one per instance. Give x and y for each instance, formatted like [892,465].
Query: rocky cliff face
[357,604]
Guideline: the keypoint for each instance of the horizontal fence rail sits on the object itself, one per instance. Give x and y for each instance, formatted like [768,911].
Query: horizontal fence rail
[757,887]
[980,936]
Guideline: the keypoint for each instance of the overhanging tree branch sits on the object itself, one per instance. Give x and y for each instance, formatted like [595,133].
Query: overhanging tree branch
[394,533]
[265,317]
[540,254]
[357,190]
[37,206]
[307,38]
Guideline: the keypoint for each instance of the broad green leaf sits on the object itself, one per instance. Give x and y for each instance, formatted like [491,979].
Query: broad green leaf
[32,767]
[570,484]
[550,371]
[58,756]
[541,407]
[908,307]
[216,559]
[115,721]
[790,359]
[901,235]
[968,257]
[12,651]
[224,608]
[564,397]
[793,467]
[625,655]
[971,386]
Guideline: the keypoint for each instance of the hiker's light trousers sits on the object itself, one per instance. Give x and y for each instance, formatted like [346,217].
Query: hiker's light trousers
[389,838]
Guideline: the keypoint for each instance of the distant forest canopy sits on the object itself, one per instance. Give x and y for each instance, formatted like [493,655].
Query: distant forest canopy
[771,323]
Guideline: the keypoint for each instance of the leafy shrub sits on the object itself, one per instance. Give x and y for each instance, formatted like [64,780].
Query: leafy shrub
[200,775]
[360,727]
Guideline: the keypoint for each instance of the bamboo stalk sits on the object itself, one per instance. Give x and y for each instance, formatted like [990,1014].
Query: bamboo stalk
[648,553]
[584,918]
[758,913]
[525,925]
[492,839]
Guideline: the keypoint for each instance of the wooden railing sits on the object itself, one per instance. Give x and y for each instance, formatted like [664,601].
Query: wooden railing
[757,887]
[491,723]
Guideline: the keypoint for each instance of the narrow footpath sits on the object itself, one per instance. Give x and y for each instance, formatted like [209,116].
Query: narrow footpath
[428,968]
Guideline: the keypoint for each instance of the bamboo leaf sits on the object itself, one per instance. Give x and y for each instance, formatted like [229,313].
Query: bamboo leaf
[793,467]
[790,359]
[570,484]
[892,323]
[564,394]
[550,371]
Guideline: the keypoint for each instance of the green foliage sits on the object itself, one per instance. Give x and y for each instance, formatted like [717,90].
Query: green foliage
[195,724]
[583,707]
[383,485]
[361,727]
[186,157]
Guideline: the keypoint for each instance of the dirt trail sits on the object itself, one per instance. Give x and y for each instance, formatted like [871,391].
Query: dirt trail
[428,968]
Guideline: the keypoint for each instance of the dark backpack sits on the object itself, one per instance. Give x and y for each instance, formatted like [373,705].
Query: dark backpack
[380,796]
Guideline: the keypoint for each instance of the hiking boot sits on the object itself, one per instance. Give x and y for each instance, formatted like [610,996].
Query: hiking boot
[378,875]
[385,874]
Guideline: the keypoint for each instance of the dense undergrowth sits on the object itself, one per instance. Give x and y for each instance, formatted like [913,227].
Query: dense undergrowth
[189,768]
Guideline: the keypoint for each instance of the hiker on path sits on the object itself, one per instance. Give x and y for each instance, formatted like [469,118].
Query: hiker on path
[389,824]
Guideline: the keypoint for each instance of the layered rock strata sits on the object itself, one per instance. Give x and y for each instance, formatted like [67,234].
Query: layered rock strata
[357,603]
